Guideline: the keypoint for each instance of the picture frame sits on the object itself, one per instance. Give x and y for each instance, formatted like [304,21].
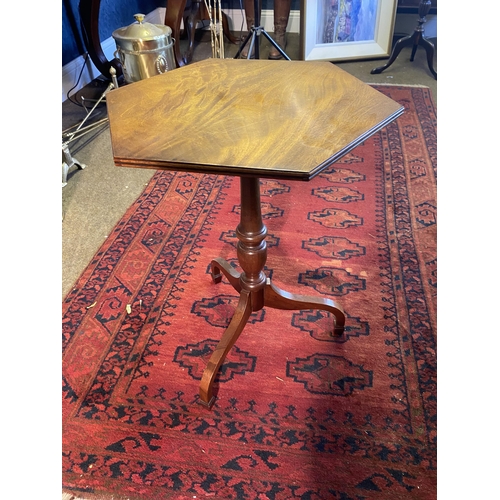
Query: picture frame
[358,29]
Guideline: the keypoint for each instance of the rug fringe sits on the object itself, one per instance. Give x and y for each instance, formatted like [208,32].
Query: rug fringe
[400,85]
[95,496]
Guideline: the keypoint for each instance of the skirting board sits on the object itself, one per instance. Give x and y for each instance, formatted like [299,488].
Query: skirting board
[71,71]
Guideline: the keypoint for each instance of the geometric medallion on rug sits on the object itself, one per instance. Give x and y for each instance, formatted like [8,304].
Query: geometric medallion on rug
[299,414]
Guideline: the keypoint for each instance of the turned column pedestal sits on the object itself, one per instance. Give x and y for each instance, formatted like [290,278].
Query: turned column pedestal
[255,289]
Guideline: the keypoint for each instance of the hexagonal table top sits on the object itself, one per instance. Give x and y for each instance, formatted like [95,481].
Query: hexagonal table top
[279,119]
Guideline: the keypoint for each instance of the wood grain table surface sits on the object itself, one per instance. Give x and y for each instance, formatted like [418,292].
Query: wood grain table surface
[278,119]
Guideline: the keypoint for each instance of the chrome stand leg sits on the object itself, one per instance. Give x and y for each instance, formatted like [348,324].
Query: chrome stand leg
[67,162]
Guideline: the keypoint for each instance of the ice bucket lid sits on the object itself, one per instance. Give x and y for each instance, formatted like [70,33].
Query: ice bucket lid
[144,31]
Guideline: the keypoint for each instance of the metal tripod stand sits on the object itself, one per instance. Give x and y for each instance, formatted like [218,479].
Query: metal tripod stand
[70,135]
[255,31]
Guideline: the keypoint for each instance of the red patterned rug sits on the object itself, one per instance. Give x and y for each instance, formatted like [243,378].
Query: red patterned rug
[299,414]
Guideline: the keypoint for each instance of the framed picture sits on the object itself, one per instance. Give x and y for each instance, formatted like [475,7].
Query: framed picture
[340,30]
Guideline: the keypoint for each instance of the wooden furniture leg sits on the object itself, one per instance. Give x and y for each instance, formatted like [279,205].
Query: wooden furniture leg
[227,31]
[190,27]
[198,12]
[173,17]
[429,49]
[222,267]
[414,40]
[256,290]
[89,15]
[279,299]
[238,322]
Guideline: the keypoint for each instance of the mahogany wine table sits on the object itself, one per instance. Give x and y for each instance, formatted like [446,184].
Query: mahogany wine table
[252,119]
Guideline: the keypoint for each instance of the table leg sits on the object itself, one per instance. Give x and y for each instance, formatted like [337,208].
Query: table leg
[279,299]
[222,267]
[429,49]
[227,341]
[173,17]
[398,47]
[89,15]
[416,39]
[255,289]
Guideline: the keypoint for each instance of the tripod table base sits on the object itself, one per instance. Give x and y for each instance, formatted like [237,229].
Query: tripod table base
[414,40]
[268,295]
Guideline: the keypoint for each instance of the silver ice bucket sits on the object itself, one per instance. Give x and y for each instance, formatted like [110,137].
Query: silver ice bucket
[144,49]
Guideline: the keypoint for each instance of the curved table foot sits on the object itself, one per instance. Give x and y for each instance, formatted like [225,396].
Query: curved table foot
[238,322]
[398,47]
[429,49]
[414,40]
[227,31]
[279,299]
[222,267]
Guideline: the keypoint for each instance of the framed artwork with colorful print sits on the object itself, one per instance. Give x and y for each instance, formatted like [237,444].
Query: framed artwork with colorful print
[340,30]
